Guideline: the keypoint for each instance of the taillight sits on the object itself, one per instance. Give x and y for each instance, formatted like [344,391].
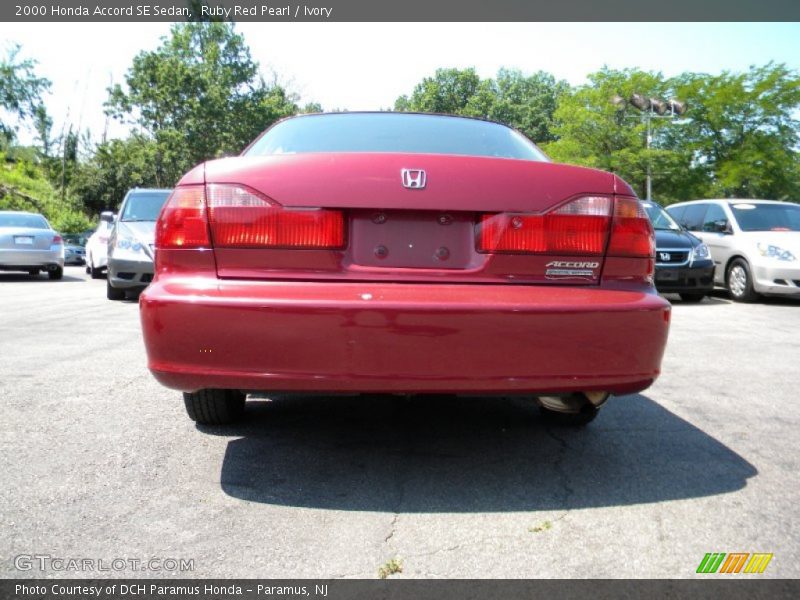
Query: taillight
[182,223]
[631,232]
[579,227]
[243,218]
[57,239]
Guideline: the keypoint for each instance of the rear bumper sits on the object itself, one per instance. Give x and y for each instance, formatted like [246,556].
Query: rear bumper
[16,259]
[403,338]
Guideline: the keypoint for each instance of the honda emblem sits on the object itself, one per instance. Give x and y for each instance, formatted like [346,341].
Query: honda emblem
[413,179]
[664,256]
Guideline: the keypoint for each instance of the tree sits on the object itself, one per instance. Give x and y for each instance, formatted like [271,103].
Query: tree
[524,102]
[115,167]
[198,96]
[448,91]
[743,131]
[21,91]
[738,138]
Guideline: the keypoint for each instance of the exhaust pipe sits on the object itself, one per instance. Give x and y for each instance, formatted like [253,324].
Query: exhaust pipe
[573,403]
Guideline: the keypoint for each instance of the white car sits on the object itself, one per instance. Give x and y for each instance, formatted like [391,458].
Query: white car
[754,243]
[97,246]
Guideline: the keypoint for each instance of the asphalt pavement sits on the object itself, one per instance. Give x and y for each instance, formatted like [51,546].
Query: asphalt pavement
[100,463]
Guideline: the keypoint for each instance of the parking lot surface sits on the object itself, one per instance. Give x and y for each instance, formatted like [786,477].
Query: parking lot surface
[100,462]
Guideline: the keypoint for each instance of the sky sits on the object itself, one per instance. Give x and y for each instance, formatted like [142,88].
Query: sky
[366,66]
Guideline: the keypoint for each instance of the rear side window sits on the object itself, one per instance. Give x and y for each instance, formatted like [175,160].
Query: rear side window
[144,206]
[692,219]
[28,221]
[394,132]
[767,217]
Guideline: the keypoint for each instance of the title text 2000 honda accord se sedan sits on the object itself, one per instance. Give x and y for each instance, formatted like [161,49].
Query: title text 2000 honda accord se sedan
[402,253]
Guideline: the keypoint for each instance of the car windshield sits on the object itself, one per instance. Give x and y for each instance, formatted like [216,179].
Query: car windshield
[660,218]
[766,217]
[23,220]
[394,132]
[144,206]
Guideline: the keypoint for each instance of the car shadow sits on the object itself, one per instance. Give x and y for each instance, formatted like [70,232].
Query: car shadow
[464,455]
[41,277]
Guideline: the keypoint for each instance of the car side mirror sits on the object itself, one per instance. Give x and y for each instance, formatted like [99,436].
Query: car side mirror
[107,216]
[723,226]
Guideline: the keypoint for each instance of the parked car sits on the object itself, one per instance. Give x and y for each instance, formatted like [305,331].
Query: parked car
[130,243]
[28,243]
[755,244]
[74,255]
[683,262]
[402,253]
[97,246]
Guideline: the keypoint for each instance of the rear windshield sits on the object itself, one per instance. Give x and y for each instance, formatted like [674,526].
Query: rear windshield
[29,221]
[144,206]
[394,132]
[767,217]
[660,218]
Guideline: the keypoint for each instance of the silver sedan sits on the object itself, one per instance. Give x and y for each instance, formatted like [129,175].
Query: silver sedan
[28,243]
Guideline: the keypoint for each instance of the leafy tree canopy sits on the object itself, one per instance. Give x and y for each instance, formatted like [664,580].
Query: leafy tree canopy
[199,95]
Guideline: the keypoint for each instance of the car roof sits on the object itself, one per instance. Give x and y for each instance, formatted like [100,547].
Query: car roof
[20,212]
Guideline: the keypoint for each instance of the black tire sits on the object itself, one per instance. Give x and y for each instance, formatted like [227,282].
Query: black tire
[88,269]
[739,281]
[95,273]
[56,273]
[113,293]
[692,297]
[214,407]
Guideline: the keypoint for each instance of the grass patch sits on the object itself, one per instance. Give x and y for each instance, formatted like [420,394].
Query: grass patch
[390,567]
[543,526]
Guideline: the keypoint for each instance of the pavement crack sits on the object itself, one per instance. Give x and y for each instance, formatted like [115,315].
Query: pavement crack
[558,466]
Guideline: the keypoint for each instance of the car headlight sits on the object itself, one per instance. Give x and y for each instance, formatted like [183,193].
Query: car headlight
[700,252]
[776,252]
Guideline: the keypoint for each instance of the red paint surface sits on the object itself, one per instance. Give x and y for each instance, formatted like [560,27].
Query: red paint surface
[345,320]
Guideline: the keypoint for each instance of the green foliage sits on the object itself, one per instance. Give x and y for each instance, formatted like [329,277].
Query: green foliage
[198,96]
[23,186]
[20,91]
[738,138]
[117,166]
[524,102]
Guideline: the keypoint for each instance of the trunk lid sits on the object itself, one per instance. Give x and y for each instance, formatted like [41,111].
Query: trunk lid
[397,233]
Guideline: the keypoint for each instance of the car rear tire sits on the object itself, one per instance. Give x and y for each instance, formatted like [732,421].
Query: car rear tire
[692,297]
[113,293]
[740,281]
[56,273]
[214,407]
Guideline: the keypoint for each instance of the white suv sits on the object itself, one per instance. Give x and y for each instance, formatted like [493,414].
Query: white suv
[754,243]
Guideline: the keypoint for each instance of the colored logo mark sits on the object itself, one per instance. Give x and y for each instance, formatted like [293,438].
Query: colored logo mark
[734,562]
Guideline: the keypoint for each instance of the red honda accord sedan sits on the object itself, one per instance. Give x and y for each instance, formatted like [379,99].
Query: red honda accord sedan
[402,253]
